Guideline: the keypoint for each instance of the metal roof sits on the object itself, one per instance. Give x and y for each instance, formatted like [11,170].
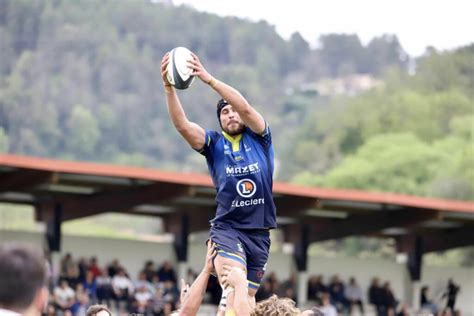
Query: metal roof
[85,188]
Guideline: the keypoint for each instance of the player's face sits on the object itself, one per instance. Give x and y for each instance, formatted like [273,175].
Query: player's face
[231,122]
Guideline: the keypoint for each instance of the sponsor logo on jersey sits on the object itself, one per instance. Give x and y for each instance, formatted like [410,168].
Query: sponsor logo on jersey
[246,188]
[238,171]
[237,203]
[239,247]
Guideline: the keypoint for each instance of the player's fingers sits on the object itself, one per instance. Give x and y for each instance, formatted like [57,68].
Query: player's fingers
[165,58]
[164,64]
[191,65]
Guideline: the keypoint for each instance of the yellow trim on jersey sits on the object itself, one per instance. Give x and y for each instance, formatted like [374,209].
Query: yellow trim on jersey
[208,140]
[256,284]
[234,140]
[232,254]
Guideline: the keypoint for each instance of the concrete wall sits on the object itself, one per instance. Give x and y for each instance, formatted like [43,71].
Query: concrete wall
[132,254]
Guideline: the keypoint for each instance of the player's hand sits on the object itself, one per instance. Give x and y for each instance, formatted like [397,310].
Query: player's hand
[164,63]
[184,292]
[198,69]
[233,276]
[210,255]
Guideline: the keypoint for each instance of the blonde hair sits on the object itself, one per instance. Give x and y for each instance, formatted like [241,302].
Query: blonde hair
[93,310]
[275,306]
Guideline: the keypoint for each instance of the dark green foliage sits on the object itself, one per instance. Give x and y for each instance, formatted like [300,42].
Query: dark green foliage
[412,135]
[81,80]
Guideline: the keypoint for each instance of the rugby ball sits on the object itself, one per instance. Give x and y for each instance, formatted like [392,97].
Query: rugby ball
[178,73]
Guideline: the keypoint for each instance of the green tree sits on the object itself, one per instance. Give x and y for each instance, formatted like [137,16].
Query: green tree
[342,53]
[82,132]
[399,163]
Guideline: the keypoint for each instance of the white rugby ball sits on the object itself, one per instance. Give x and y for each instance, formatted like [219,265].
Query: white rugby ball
[178,73]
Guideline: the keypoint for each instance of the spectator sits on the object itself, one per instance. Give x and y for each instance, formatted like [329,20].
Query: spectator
[404,311]
[191,275]
[66,264]
[64,296]
[158,303]
[336,290]
[70,270]
[316,288]
[353,294]
[288,288]
[315,311]
[94,267]
[327,308]
[389,301]
[273,281]
[82,267]
[81,302]
[142,300]
[166,272]
[143,282]
[375,296]
[426,302]
[23,280]
[149,270]
[122,289]
[50,310]
[113,268]
[90,286]
[104,288]
[451,293]
[170,291]
[168,308]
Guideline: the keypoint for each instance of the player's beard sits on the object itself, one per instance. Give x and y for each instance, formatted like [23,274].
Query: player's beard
[236,129]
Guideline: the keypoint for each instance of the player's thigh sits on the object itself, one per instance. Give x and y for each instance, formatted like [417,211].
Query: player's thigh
[220,261]
[258,245]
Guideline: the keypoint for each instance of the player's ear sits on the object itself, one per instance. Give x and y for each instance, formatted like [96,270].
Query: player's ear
[41,299]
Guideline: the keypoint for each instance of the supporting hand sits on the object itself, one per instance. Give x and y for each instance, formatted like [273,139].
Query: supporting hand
[210,255]
[233,277]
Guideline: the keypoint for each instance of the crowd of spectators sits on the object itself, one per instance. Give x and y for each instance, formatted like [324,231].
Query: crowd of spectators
[154,291]
[83,282]
[335,296]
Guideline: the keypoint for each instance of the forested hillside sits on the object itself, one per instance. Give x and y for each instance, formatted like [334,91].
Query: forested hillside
[80,80]
[413,135]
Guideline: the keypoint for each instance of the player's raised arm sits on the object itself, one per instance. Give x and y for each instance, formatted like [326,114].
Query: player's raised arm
[251,118]
[191,132]
[191,301]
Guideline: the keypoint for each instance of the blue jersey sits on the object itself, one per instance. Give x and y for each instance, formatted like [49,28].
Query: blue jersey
[241,168]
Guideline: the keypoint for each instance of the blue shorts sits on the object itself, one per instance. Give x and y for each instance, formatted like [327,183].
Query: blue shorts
[249,247]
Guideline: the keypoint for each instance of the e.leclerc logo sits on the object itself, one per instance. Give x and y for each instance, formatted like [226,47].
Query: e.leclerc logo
[246,188]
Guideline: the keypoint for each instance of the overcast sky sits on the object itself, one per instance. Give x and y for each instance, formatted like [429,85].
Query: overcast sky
[417,23]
